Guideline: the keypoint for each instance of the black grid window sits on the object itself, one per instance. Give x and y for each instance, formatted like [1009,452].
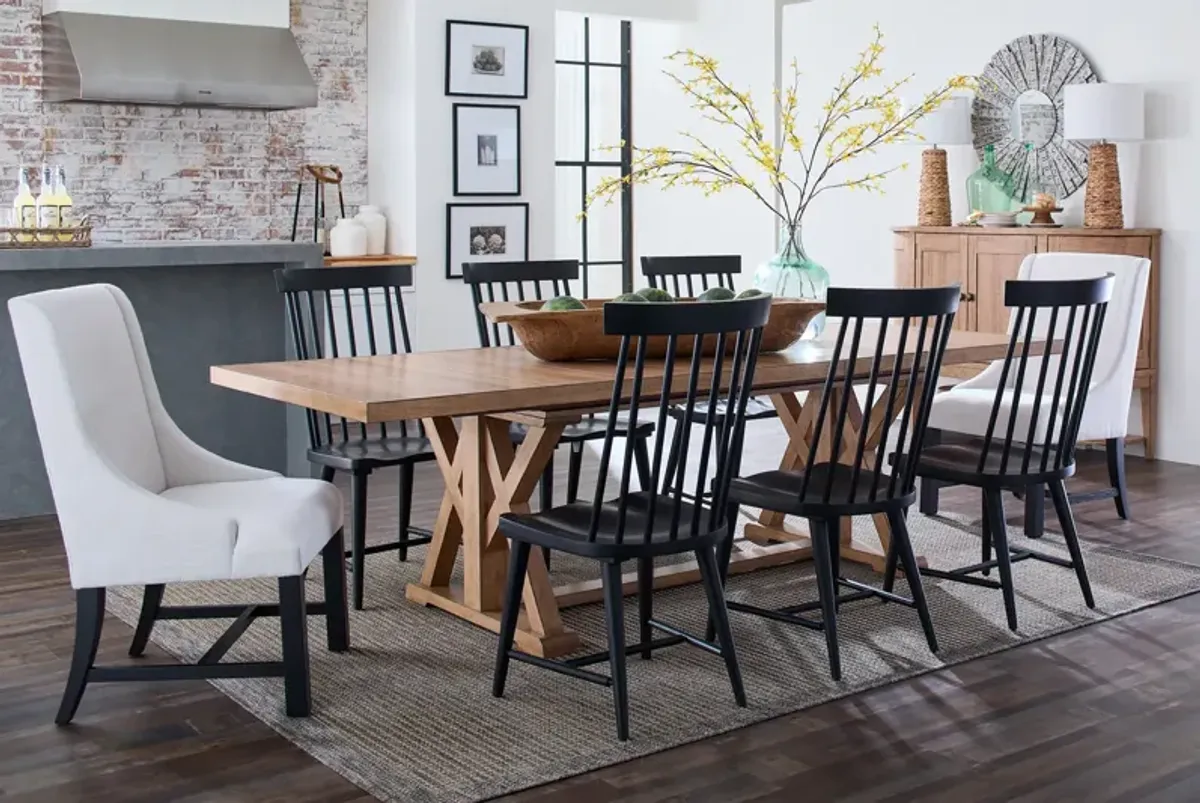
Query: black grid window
[598,252]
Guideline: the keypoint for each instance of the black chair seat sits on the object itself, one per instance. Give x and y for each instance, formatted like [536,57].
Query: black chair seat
[959,463]
[780,491]
[757,409]
[361,454]
[565,529]
[590,429]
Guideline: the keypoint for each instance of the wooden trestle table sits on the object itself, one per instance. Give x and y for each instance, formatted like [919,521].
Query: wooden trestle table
[486,475]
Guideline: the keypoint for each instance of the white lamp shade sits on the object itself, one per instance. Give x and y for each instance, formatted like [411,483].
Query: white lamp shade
[948,124]
[1114,112]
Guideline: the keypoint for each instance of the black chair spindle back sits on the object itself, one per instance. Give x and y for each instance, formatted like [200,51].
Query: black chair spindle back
[691,276]
[917,323]
[316,298]
[515,282]
[1076,309]
[735,329]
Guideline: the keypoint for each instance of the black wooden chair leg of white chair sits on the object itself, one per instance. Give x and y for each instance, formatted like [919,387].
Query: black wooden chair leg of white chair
[293,624]
[151,602]
[337,608]
[89,620]
[1115,451]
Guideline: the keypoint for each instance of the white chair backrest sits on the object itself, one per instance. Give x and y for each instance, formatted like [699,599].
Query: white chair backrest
[1117,354]
[87,374]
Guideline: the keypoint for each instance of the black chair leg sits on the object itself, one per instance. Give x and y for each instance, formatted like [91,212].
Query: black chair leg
[328,473]
[547,497]
[718,614]
[835,555]
[1115,449]
[405,513]
[902,544]
[646,605]
[985,549]
[614,614]
[151,602]
[1066,520]
[930,488]
[89,619]
[337,614]
[889,569]
[547,486]
[574,469]
[358,535]
[293,622]
[1035,511]
[641,457]
[827,589]
[724,553]
[518,562]
[999,531]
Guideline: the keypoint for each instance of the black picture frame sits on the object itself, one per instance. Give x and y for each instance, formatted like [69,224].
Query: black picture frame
[458,155]
[523,62]
[454,271]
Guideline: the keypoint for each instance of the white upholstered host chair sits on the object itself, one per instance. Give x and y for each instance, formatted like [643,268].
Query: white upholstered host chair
[140,504]
[965,407]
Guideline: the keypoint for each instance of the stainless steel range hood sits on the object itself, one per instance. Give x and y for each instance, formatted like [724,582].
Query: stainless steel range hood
[111,59]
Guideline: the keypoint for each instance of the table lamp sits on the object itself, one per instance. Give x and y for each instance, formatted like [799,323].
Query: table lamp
[1105,114]
[948,124]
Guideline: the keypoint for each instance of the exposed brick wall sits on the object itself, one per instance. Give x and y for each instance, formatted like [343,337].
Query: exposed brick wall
[148,173]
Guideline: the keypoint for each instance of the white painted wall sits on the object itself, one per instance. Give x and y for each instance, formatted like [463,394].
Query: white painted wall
[411,150]
[1150,42]
[273,13]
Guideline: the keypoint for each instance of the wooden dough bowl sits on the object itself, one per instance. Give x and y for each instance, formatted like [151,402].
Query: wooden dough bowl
[579,334]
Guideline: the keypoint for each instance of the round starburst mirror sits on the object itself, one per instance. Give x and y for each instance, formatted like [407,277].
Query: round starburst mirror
[1019,110]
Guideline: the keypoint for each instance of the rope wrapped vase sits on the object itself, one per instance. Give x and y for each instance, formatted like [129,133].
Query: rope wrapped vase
[933,207]
[1102,208]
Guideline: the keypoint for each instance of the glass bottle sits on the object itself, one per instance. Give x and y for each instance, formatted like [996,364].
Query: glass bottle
[791,273]
[24,208]
[989,189]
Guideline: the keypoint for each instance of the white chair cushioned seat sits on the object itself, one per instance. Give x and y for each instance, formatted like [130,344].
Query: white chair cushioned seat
[282,524]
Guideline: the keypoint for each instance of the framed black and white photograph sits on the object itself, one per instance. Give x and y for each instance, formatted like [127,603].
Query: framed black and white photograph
[487,150]
[485,233]
[487,59]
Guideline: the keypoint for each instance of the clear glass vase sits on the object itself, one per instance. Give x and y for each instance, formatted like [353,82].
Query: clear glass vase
[792,274]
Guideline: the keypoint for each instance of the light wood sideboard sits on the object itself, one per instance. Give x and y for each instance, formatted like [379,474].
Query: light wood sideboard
[982,259]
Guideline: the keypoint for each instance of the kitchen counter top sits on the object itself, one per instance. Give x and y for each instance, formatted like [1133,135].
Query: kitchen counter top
[161,255]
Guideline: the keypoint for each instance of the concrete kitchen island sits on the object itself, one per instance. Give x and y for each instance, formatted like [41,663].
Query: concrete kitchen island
[200,304]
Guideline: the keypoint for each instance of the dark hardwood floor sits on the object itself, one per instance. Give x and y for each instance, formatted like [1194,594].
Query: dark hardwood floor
[1107,713]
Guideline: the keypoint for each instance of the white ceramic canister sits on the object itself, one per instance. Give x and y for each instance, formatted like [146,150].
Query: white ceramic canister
[372,218]
[348,239]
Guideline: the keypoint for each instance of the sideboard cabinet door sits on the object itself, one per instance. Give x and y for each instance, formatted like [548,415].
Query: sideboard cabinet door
[994,260]
[941,260]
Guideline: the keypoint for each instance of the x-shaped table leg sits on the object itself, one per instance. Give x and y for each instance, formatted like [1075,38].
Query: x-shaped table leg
[485,477]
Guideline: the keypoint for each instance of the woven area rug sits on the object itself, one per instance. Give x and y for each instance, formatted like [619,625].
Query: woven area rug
[408,714]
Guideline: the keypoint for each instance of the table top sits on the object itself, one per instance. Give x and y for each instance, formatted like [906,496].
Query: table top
[505,380]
